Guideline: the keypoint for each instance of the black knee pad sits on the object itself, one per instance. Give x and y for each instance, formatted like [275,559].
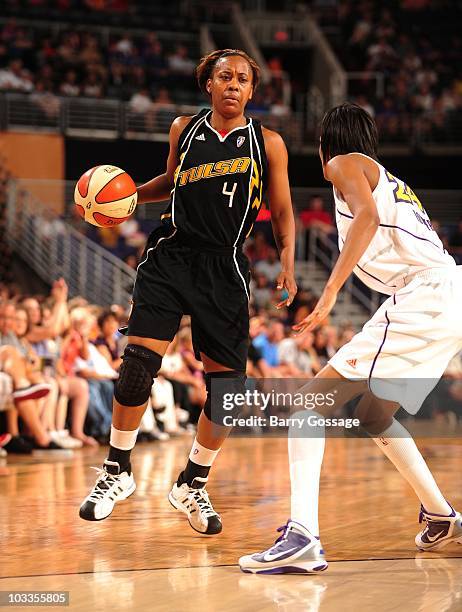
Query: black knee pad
[222,389]
[137,372]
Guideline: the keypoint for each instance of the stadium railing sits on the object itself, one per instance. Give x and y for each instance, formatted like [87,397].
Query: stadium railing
[111,119]
[53,248]
[94,118]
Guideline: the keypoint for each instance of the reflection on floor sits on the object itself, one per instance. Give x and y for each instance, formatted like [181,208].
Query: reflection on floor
[146,557]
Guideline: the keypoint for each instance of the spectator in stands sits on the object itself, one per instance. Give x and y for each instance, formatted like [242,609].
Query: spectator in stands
[106,341]
[154,59]
[48,104]
[256,366]
[68,50]
[69,86]
[267,342]
[261,291]
[117,86]
[58,321]
[141,105]
[258,247]
[189,390]
[124,45]
[75,345]
[179,62]
[42,371]
[269,267]
[90,53]
[278,108]
[138,78]
[320,344]
[15,78]
[92,86]
[345,335]
[91,365]
[27,389]
[331,335]
[163,109]
[298,352]
[314,216]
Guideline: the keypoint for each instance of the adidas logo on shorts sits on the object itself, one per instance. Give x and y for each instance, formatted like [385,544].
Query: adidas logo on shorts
[352,362]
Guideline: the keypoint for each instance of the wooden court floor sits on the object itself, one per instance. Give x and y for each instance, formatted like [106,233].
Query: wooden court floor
[146,557]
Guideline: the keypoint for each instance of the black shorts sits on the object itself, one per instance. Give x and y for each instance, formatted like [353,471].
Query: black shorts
[176,278]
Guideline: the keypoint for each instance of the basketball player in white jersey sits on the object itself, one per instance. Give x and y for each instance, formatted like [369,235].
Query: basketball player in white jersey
[387,240]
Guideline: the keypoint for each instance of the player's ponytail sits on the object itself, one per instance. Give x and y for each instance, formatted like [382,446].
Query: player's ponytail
[207,65]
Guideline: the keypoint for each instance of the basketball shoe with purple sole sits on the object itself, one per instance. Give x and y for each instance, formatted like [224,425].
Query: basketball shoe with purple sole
[439,530]
[296,551]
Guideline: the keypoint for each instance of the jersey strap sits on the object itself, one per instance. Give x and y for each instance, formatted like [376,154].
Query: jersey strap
[189,130]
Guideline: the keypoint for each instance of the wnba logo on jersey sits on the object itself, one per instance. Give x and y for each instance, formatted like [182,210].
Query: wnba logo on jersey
[240,165]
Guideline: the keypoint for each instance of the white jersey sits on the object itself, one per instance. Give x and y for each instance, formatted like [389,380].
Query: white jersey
[405,242]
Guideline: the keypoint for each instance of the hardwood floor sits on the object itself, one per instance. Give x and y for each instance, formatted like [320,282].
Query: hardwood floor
[146,557]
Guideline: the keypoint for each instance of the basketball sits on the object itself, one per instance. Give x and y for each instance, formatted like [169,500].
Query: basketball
[105,196]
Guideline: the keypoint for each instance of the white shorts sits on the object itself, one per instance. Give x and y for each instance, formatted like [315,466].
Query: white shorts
[404,349]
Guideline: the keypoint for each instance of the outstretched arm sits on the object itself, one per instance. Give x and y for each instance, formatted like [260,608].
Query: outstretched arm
[159,188]
[282,215]
[348,176]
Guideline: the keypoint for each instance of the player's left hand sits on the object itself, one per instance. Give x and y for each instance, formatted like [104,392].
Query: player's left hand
[321,310]
[286,280]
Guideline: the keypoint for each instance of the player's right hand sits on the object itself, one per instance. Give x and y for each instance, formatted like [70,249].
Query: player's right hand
[286,280]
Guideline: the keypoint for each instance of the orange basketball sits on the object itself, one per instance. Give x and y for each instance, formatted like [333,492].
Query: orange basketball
[105,196]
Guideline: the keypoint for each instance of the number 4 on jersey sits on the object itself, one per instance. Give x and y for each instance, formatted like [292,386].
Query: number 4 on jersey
[229,193]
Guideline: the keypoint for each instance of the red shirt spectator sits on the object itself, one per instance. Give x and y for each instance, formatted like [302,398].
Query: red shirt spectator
[316,216]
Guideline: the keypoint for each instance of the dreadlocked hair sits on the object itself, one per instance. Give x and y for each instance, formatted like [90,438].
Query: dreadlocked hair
[207,65]
[348,128]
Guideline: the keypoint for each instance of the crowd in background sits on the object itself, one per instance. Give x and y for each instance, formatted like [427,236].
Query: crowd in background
[150,74]
[417,48]
[75,63]
[407,57]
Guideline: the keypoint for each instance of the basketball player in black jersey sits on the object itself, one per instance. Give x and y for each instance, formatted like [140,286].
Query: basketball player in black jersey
[219,167]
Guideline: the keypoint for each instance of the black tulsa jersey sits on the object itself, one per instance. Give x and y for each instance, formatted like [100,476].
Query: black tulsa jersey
[219,183]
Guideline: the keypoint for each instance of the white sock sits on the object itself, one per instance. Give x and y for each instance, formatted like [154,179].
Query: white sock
[201,455]
[305,459]
[123,440]
[397,444]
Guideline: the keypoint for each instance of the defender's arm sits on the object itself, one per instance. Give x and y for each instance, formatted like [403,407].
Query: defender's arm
[348,176]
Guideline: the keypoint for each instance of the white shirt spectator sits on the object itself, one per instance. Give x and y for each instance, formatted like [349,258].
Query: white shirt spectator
[96,362]
[180,63]
[125,46]
[9,80]
[290,354]
[140,102]
[270,270]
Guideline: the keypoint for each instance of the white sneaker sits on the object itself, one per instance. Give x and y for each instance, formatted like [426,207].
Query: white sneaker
[195,503]
[63,439]
[296,551]
[110,488]
[439,530]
